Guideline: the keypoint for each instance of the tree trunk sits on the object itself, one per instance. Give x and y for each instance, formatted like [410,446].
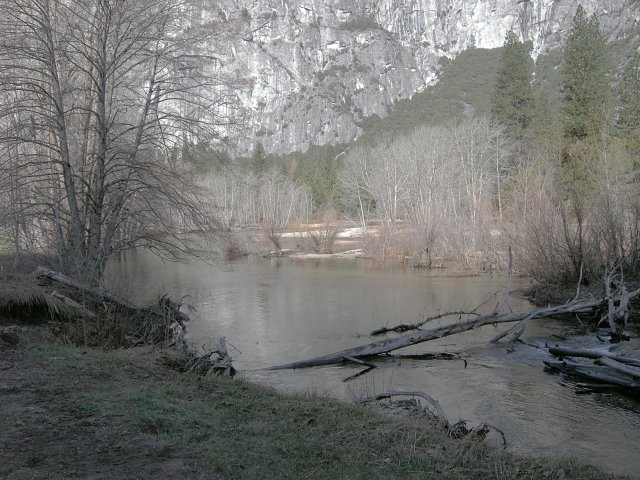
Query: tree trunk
[388,345]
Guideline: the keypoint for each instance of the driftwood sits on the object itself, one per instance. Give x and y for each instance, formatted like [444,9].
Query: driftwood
[609,368]
[406,327]
[369,366]
[456,431]
[439,413]
[214,362]
[619,367]
[616,300]
[595,373]
[515,331]
[359,374]
[428,356]
[359,362]
[389,345]
[617,305]
[81,309]
[593,354]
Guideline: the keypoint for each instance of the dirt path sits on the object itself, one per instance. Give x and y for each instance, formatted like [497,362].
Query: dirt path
[47,430]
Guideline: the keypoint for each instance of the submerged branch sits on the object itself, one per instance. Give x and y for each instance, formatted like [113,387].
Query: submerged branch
[389,345]
[405,327]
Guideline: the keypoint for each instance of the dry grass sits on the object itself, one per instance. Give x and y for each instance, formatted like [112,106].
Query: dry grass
[93,321]
[230,428]
[21,298]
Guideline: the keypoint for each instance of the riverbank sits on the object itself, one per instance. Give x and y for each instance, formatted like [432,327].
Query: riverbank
[72,412]
[380,245]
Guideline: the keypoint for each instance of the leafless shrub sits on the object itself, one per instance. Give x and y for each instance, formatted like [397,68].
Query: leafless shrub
[558,232]
[324,237]
[438,189]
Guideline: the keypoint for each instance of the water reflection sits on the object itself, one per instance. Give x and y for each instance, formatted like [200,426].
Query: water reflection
[282,310]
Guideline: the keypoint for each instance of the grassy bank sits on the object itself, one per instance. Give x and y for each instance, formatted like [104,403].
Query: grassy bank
[72,412]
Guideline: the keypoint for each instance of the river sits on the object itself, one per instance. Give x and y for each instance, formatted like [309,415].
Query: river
[281,310]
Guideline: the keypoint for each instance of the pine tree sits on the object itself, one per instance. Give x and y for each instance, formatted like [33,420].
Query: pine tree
[513,100]
[629,111]
[629,94]
[258,158]
[586,88]
[586,98]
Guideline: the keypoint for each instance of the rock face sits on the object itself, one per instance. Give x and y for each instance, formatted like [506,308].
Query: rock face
[318,68]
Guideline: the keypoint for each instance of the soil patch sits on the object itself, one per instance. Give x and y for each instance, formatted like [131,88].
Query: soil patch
[50,429]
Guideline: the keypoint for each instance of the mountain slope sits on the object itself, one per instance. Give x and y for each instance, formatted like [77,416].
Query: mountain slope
[320,68]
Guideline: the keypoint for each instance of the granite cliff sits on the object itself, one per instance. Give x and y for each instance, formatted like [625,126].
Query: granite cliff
[318,68]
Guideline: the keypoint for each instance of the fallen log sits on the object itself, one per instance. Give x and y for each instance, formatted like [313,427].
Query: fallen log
[389,345]
[619,367]
[359,374]
[162,322]
[428,356]
[519,328]
[360,362]
[58,277]
[593,354]
[406,327]
[81,309]
[594,373]
[70,282]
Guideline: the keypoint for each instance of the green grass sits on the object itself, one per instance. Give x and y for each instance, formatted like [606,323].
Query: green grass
[240,430]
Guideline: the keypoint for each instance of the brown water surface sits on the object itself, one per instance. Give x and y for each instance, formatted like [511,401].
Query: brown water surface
[282,310]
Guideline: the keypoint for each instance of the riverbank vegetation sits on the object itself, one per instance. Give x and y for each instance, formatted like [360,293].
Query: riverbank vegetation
[139,415]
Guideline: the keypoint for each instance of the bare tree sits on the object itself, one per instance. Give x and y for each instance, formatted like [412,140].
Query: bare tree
[280,201]
[355,178]
[227,192]
[479,146]
[441,181]
[96,98]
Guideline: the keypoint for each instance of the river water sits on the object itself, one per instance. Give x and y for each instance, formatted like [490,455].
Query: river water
[283,310]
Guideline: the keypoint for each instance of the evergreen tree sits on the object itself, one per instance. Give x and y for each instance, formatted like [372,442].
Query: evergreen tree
[586,88]
[259,158]
[513,100]
[629,111]
[629,94]
[586,97]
